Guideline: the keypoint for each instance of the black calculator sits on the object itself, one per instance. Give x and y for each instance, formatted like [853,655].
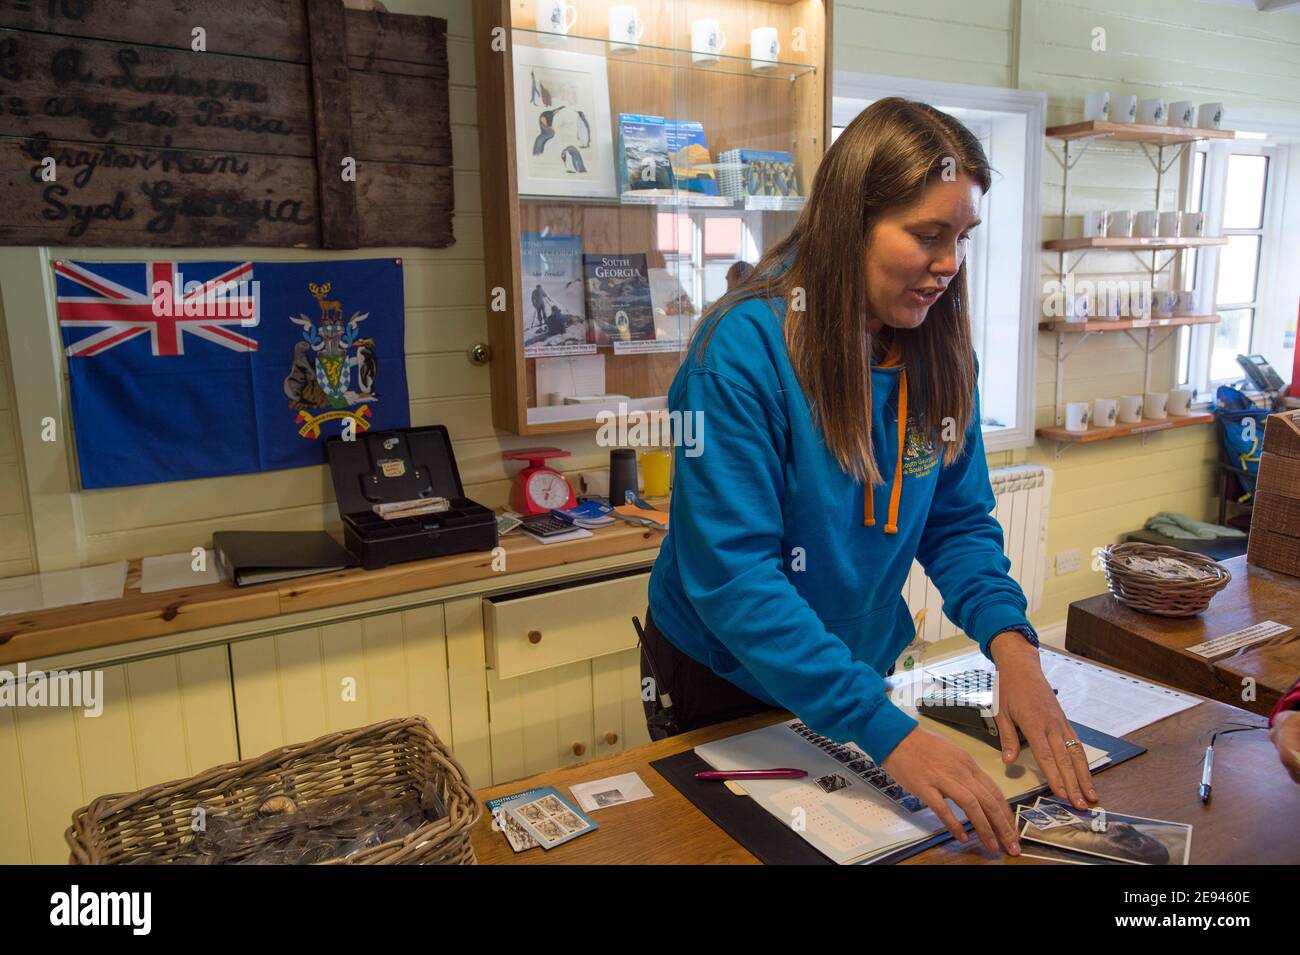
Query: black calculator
[545,525]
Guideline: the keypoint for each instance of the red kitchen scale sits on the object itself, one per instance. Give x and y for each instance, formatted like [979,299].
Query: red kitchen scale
[539,489]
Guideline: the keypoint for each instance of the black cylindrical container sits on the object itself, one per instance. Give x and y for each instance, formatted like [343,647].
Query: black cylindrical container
[622,475]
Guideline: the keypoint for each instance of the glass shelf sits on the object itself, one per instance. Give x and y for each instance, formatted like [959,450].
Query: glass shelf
[676,199]
[646,54]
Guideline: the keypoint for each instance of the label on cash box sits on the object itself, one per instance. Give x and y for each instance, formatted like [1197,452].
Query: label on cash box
[392,467]
[1238,639]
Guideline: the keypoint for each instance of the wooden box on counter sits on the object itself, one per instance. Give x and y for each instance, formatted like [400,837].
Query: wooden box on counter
[1275,526]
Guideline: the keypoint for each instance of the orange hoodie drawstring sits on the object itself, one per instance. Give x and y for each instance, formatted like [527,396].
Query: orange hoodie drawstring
[896,491]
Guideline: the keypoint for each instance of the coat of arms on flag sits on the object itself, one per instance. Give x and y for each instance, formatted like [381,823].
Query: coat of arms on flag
[185,370]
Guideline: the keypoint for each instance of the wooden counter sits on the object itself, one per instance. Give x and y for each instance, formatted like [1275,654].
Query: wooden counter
[136,616]
[1103,629]
[1252,793]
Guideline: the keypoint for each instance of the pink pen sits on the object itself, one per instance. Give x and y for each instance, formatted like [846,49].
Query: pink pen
[720,774]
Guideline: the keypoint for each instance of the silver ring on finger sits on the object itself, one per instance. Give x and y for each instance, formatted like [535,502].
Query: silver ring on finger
[1071,742]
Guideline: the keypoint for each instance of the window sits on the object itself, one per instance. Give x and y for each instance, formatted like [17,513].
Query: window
[1239,185]
[1003,256]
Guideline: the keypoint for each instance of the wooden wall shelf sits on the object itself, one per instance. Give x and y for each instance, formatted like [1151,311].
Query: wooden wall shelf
[1137,133]
[1145,426]
[1103,325]
[1146,243]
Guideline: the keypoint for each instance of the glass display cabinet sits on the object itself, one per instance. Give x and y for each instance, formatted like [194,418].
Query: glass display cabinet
[635,157]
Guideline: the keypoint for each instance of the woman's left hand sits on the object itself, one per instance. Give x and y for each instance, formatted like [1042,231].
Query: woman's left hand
[1026,701]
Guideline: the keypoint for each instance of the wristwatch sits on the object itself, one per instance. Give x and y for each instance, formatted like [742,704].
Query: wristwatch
[1029,632]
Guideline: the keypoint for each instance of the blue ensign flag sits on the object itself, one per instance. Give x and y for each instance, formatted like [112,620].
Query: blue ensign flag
[201,369]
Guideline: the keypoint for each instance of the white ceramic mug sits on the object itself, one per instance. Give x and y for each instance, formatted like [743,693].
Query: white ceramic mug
[1146,223]
[1123,109]
[1140,302]
[1164,303]
[1080,309]
[1180,402]
[1210,116]
[1155,405]
[764,48]
[1076,416]
[1153,112]
[1130,409]
[1189,302]
[625,28]
[1192,225]
[1168,223]
[556,16]
[1094,224]
[1119,223]
[1105,411]
[1182,113]
[707,41]
[1111,304]
[1097,105]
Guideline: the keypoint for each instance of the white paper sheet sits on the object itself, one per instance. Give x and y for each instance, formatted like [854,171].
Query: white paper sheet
[610,791]
[1113,703]
[62,588]
[174,571]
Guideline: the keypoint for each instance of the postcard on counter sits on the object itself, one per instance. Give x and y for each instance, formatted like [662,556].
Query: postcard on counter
[1109,835]
[610,791]
[550,818]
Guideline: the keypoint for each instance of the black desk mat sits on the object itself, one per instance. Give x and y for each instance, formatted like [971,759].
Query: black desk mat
[774,843]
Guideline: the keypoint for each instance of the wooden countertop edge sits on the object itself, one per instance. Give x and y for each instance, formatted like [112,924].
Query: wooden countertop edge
[137,616]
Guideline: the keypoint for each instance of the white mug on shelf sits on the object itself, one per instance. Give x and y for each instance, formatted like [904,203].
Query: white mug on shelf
[1210,116]
[1119,223]
[1094,224]
[707,41]
[1152,112]
[1182,113]
[1154,405]
[1139,303]
[1189,302]
[1146,223]
[1076,416]
[1168,223]
[556,16]
[1112,303]
[1123,109]
[1192,225]
[1096,106]
[625,28]
[1104,412]
[1164,303]
[1180,402]
[764,48]
[1130,409]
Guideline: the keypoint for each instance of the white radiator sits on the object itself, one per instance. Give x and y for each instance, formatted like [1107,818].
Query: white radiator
[1024,493]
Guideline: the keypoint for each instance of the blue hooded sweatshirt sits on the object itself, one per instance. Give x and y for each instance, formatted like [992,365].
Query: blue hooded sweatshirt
[775,572]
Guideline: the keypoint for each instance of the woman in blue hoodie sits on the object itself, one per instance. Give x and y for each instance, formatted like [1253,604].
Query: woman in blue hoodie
[839,439]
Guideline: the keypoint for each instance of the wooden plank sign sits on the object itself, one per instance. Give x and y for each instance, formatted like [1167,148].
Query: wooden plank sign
[222,122]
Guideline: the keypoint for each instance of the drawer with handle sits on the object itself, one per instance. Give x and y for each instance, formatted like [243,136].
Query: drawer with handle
[537,631]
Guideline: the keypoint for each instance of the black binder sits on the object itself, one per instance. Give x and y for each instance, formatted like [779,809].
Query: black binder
[256,557]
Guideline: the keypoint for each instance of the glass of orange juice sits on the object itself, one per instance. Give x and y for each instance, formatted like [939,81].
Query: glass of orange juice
[655,466]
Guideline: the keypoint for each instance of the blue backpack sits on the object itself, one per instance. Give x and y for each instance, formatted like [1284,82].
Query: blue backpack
[1242,433]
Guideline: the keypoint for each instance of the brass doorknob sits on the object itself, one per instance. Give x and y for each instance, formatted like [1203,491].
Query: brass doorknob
[534,636]
[579,749]
[611,738]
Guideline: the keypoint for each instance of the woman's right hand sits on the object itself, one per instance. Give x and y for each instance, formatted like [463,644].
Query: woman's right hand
[933,769]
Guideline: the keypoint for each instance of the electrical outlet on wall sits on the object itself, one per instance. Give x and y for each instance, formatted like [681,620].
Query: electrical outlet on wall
[1067,562]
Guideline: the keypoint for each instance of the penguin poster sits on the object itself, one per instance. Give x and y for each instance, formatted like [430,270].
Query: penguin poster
[563,137]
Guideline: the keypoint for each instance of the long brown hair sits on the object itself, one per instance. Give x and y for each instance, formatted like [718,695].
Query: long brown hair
[884,159]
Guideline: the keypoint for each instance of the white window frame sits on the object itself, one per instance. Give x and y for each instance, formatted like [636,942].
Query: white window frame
[852,92]
[1267,318]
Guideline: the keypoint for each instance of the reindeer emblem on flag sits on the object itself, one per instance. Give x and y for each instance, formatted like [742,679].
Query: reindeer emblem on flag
[324,361]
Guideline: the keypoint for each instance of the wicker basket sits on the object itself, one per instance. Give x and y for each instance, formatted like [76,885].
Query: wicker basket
[397,757]
[1161,595]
